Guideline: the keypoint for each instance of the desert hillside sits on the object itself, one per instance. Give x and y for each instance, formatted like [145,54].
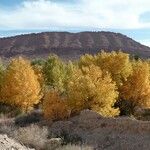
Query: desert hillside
[69,45]
[87,131]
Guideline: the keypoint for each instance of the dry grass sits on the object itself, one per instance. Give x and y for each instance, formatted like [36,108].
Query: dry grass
[6,125]
[32,136]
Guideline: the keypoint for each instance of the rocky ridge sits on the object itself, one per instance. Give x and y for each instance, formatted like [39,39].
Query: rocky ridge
[69,45]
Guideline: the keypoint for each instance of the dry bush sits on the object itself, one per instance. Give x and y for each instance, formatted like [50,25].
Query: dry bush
[7,128]
[30,118]
[32,136]
[9,111]
[75,147]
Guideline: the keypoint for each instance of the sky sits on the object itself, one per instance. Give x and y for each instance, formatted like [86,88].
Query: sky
[129,17]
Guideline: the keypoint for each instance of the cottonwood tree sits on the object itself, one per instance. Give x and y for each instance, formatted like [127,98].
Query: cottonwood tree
[54,72]
[89,88]
[20,85]
[136,89]
[54,106]
[117,64]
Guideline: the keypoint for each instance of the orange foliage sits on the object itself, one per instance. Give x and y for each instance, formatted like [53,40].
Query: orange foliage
[54,107]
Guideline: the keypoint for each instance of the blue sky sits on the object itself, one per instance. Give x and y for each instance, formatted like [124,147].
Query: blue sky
[130,17]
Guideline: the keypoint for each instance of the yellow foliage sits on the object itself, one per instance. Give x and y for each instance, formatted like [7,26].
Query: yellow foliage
[91,89]
[38,71]
[86,60]
[20,86]
[54,107]
[137,88]
[117,63]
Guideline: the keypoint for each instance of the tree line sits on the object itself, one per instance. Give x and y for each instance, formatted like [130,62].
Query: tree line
[109,83]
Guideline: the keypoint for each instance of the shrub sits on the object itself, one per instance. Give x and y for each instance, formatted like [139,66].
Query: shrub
[68,138]
[27,119]
[7,126]
[75,147]
[32,136]
[125,107]
[20,85]
[54,107]
[9,111]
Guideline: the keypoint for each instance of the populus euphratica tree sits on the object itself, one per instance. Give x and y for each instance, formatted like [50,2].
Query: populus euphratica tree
[20,85]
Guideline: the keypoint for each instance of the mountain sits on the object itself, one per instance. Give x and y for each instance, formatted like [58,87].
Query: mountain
[69,45]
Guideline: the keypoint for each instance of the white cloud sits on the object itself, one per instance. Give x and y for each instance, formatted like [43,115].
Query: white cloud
[42,14]
[145,42]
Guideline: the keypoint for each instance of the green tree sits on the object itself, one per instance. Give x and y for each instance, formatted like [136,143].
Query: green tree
[37,62]
[54,72]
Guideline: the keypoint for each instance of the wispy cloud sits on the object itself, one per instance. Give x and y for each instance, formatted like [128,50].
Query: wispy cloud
[44,14]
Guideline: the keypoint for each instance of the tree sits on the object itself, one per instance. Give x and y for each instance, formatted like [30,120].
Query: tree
[20,85]
[54,107]
[86,60]
[54,72]
[2,71]
[70,67]
[89,88]
[136,89]
[117,63]
[37,62]
[38,70]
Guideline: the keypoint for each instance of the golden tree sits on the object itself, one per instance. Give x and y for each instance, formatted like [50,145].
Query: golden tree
[2,70]
[117,63]
[39,72]
[86,60]
[91,89]
[20,86]
[54,107]
[137,88]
